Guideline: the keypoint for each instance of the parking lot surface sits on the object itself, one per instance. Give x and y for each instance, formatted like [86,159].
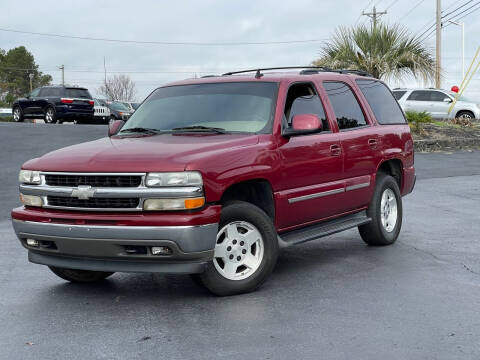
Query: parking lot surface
[335,298]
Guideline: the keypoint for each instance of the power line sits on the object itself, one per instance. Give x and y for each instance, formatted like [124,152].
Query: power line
[468,13]
[184,43]
[462,12]
[411,10]
[461,6]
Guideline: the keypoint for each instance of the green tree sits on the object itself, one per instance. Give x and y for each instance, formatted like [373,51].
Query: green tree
[385,51]
[15,66]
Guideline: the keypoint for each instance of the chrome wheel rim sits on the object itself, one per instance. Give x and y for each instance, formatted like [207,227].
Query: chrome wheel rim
[239,250]
[388,210]
[16,115]
[49,116]
[465,116]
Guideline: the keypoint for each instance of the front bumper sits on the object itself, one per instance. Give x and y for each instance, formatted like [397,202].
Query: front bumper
[118,248]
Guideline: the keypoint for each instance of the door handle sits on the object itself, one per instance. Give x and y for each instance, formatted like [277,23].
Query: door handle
[335,150]
[372,143]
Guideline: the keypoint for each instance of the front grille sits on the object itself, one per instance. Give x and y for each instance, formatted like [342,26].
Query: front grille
[93,180]
[93,203]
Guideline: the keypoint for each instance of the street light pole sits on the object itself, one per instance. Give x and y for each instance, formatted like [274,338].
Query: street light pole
[463,44]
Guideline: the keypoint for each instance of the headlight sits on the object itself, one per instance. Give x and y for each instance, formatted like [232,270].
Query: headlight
[31,200]
[173,204]
[29,177]
[184,178]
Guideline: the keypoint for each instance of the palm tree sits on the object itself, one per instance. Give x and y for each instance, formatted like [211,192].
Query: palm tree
[383,51]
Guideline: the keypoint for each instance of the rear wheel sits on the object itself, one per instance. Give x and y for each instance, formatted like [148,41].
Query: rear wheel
[17,114]
[465,115]
[245,253]
[385,210]
[50,116]
[80,276]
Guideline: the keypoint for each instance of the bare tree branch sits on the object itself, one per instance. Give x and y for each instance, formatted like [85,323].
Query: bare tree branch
[119,87]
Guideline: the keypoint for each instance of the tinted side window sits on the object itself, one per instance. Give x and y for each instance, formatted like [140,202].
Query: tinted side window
[303,99]
[398,94]
[383,105]
[35,92]
[345,105]
[419,96]
[437,96]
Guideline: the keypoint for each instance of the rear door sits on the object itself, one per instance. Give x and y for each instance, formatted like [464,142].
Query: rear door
[359,143]
[312,165]
[81,100]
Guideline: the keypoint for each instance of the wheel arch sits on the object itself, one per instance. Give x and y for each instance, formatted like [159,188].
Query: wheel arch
[394,168]
[257,191]
[465,110]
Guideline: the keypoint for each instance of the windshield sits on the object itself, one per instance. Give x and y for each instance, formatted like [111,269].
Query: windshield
[119,106]
[233,107]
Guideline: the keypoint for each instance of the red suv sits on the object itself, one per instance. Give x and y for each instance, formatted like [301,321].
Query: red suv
[214,176]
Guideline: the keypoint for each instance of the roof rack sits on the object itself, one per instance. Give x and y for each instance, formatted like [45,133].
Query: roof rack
[307,70]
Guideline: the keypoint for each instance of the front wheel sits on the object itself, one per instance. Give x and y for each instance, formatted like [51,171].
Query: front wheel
[245,253]
[80,276]
[17,114]
[385,210]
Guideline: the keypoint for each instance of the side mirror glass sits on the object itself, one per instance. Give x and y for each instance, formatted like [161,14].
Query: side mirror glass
[304,124]
[114,126]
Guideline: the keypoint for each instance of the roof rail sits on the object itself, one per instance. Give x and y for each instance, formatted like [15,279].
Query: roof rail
[307,70]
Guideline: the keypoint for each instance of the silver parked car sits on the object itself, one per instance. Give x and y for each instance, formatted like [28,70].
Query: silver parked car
[437,102]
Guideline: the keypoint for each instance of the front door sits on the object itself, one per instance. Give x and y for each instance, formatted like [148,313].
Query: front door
[28,105]
[312,165]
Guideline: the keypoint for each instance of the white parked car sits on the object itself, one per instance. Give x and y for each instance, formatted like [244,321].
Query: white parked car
[101,112]
[437,102]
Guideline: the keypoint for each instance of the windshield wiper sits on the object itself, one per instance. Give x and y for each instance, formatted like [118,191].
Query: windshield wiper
[200,129]
[142,130]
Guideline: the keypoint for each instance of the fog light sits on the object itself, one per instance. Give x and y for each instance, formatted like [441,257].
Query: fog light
[161,250]
[31,200]
[33,243]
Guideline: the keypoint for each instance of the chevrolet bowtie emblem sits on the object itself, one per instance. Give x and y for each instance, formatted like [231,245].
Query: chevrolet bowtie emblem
[83,192]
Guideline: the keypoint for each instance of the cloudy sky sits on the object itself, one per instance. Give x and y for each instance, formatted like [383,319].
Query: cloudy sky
[208,21]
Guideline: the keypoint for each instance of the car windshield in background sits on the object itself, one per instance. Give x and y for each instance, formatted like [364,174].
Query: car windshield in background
[78,93]
[119,106]
[135,105]
[230,107]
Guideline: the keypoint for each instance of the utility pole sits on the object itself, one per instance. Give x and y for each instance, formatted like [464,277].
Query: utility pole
[374,15]
[438,48]
[63,73]
[31,84]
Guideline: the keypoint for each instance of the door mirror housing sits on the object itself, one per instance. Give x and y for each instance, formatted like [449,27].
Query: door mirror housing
[304,124]
[114,127]
[447,100]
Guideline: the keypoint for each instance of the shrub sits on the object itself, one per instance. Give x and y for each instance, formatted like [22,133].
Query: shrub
[416,119]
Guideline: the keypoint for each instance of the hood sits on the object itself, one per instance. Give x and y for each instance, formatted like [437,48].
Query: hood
[165,152]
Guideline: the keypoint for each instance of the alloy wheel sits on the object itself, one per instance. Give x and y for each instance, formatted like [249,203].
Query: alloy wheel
[49,116]
[16,115]
[239,250]
[388,210]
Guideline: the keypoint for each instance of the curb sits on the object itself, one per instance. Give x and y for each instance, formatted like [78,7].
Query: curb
[429,145]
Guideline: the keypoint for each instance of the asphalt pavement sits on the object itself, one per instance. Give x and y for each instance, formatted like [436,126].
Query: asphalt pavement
[335,298]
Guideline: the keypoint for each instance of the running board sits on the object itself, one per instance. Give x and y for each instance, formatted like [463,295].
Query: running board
[326,228]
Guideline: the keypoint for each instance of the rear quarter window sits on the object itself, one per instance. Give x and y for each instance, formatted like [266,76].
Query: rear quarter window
[381,101]
[398,94]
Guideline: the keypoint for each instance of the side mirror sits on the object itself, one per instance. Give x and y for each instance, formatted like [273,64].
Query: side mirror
[304,124]
[447,100]
[114,126]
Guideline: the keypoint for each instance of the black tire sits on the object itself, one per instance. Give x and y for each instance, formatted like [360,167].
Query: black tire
[50,116]
[464,114]
[80,276]
[375,233]
[17,117]
[242,211]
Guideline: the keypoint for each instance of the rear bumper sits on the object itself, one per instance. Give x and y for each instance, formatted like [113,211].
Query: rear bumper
[123,248]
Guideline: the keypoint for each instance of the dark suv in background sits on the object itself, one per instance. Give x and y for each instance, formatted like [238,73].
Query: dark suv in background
[55,104]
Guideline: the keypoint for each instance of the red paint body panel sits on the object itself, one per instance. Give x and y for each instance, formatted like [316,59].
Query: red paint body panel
[295,166]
